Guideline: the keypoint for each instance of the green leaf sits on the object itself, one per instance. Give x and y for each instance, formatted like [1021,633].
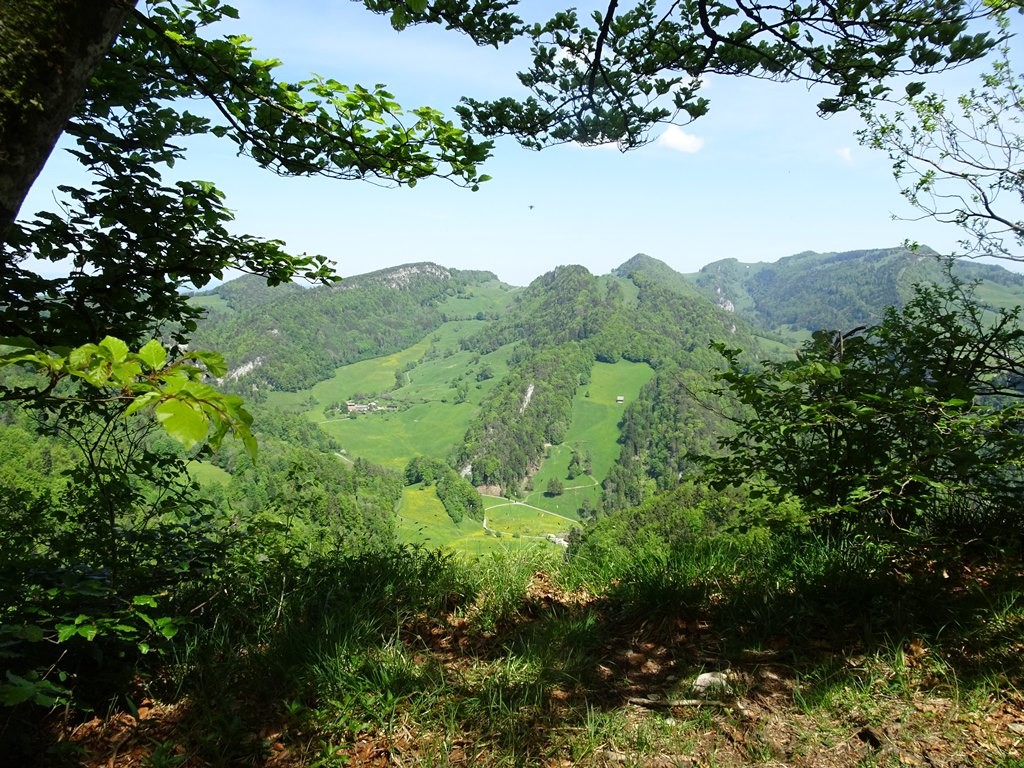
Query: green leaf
[18,342]
[141,402]
[914,89]
[153,355]
[96,376]
[214,362]
[181,421]
[248,441]
[29,632]
[80,356]
[167,627]
[117,348]
[172,382]
[144,600]
[18,691]
[125,373]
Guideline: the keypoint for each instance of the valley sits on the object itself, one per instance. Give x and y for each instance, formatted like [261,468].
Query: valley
[516,513]
[345,512]
[428,395]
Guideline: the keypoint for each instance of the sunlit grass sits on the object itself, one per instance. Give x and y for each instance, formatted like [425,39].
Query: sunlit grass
[445,660]
[205,473]
[596,414]
[524,520]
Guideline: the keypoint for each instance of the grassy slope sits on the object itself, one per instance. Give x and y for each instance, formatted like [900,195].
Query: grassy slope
[205,473]
[508,661]
[423,520]
[595,428]
[212,303]
[429,423]
[523,519]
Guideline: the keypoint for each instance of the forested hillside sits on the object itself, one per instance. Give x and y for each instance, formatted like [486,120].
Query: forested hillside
[811,291]
[288,338]
[557,328]
[567,320]
[659,537]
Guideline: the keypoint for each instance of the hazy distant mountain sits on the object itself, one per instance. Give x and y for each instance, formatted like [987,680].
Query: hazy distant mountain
[810,290]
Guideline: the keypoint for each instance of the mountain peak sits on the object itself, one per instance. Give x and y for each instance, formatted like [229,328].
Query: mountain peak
[400,277]
[641,262]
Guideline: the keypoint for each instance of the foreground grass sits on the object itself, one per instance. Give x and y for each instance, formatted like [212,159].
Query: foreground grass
[825,658]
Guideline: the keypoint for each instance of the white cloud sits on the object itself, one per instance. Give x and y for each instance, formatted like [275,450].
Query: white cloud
[676,138]
[846,155]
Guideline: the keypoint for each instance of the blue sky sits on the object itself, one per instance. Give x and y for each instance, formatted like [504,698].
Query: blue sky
[760,177]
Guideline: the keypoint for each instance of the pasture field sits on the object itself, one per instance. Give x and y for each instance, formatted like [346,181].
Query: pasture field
[492,296]
[439,373]
[568,503]
[630,290]
[206,474]
[596,414]
[422,520]
[392,438]
[520,518]
[428,421]
[595,430]
[212,303]
[775,350]
[367,376]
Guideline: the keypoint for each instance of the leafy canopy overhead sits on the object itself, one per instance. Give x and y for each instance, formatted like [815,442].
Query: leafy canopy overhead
[135,240]
[629,66]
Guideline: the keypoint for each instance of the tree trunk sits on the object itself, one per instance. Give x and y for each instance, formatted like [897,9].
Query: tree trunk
[48,50]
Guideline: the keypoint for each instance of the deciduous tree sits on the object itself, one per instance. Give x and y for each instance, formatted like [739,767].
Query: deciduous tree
[962,161]
[877,428]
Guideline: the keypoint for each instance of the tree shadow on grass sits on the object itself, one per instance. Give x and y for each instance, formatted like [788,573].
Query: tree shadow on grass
[385,660]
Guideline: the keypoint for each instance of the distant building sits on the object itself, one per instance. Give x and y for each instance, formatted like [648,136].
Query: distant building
[360,408]
[620,400]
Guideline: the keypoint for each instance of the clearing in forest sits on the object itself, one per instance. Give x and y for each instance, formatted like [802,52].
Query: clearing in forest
[596,416]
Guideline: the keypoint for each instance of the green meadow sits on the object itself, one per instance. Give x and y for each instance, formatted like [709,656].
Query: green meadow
[428,420]
[490,297]
[211,302]
[205,473]
[374,376]
[423,520]
[392,438]
[594,430]
[517,518]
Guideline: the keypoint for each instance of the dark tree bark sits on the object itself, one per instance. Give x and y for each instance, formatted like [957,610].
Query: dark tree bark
[48,50]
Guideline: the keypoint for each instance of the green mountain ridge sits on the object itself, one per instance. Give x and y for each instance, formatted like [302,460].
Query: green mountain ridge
[289,338]
[810,291]
[488,377]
